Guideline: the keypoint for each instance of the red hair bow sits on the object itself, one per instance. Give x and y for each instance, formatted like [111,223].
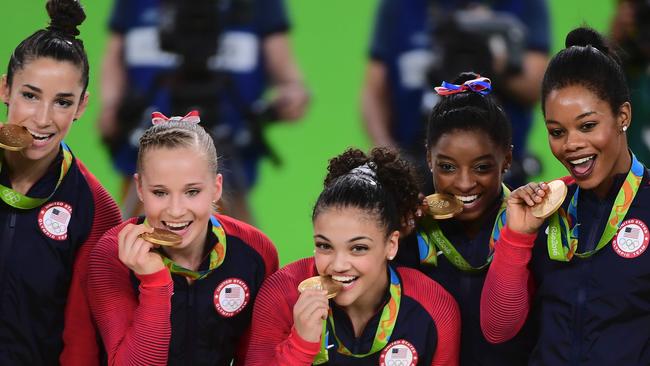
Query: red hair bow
[158,118]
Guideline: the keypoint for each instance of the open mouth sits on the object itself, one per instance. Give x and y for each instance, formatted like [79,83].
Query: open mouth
[346,281]
[468,200]
[176,226]
[40,137]
[582,167]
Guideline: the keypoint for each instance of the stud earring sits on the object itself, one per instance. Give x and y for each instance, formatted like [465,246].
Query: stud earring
[624,128]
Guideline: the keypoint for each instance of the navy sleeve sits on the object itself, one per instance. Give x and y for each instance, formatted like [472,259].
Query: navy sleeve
[272,17]
[536,18]
[118,21]
[381,34]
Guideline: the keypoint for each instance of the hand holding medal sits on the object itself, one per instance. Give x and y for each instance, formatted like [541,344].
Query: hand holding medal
[136,253]
[552,201]
[529,205]
[14,137]
[312,307]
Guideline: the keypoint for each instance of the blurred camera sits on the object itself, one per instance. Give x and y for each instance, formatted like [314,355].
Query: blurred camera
[488,42]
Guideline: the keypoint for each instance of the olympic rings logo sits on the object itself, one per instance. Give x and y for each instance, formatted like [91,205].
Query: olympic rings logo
[231,304]
[630,244]
[397,363]
[54,226]
[10,197]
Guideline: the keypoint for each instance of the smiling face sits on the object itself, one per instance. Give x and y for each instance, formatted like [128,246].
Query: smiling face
[177,187]
[586,136]
[468,165]
[353,249]
[45,97]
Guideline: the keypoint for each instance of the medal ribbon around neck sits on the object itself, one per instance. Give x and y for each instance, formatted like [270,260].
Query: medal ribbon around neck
[431,239]
[562,227]
[384,329]
[23,202]
[217,255]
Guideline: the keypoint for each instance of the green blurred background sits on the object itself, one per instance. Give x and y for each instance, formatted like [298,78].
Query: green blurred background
[330,40]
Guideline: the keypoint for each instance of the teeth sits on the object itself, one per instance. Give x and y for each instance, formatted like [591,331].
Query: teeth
[38,135]
[344,278]
[467,199]
[177,224]
[580,161]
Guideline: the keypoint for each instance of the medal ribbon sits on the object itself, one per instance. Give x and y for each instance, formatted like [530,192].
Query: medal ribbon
[217,255]
[23,202]
[384,329]
[431,239]
[562,227]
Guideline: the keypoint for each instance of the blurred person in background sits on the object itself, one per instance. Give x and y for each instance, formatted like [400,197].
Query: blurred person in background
[216,56]
[419,43]
[631,30]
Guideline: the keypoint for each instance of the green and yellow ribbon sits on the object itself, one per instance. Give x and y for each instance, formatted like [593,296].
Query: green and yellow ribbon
[23,202]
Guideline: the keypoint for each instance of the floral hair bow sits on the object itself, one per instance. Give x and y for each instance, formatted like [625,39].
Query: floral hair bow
[479,85]
[158,118]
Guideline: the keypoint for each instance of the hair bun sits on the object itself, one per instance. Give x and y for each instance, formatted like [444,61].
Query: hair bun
[465,76]
[65,16]
[584,36]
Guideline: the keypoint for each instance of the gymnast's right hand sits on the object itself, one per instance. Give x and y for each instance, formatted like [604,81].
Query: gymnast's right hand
[519,207]
[309,312]
[136,253]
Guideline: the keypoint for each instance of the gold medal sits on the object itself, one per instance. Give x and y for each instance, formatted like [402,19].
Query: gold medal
[321,283]
[14,137]
[552,201]
[162,237]
[443,206]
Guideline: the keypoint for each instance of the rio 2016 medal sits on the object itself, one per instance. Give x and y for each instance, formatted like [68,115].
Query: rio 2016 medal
[320,283]
[14,137]
[162,237]
[552,201]
[443,206]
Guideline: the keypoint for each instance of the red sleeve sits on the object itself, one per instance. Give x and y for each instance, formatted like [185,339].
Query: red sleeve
[508,288]
[274,341]
[442,308]
[568,180]
[265,248]
[135,329]
[81,346]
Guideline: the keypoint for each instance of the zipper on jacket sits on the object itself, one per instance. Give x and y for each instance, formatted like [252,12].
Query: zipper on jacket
[190,330]
[583,274]
[6,244]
